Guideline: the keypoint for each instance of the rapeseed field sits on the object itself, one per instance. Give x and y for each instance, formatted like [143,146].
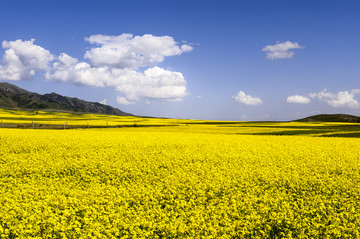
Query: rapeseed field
[185,179]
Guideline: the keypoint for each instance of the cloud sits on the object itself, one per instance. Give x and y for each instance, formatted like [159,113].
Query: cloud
[241,97]
[127,51]
[123,101]
[281,50]
[104,102]
[22,59]
[339,99]
[298,99]
[114,62]
[68,69]
[312,95]
[355,91]
[154,83]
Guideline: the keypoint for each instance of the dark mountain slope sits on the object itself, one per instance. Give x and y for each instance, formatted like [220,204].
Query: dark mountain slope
[12,96]
[331,118]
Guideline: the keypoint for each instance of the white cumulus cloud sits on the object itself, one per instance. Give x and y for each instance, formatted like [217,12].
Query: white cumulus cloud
[69,69]
[298,99]
[113,62]
[22,59]
[127,51]
[104,102]
[281,50]
[124,101]
[153,83]
[243,98]
[339,99]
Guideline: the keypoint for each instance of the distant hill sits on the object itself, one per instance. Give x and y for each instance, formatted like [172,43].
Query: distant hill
[12,96]
[331,118]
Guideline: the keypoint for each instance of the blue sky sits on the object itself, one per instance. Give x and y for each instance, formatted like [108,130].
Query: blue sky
[221,60]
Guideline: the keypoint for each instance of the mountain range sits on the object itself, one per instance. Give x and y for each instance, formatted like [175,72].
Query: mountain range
[12,96]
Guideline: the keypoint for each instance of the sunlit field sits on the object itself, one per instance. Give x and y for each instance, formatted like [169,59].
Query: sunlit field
[133,177]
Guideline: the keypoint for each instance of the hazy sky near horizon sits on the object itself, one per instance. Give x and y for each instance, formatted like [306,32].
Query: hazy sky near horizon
[221,60]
